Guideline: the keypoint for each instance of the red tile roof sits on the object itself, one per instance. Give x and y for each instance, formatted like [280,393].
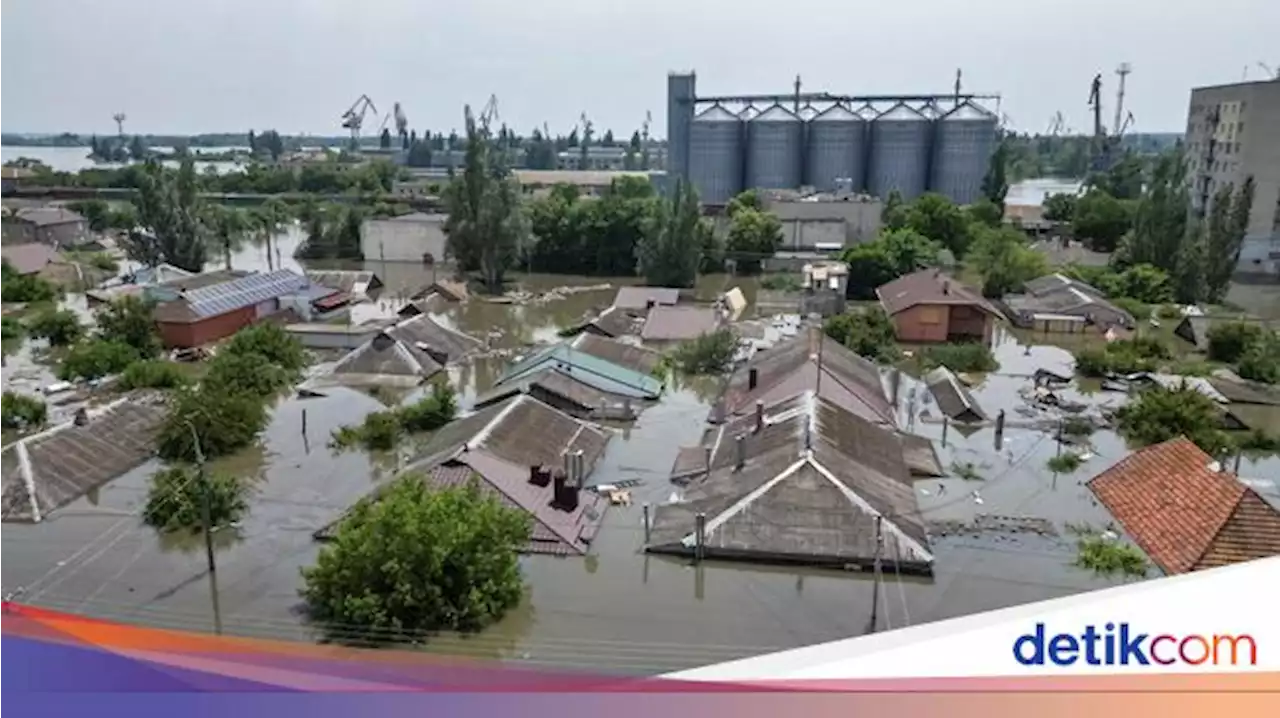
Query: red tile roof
[929,286]
[1183,513]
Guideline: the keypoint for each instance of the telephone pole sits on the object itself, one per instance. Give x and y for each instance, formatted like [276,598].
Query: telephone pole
[207,525]
[875,593]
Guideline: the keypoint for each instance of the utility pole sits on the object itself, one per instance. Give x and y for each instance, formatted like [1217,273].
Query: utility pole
[875,593]
[207,525]
[1123,72]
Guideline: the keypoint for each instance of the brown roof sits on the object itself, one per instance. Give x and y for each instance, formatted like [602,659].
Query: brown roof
[499,445]
[612,322]
[814,479]
[47,216]
[66,462]
[639,297]
[668,323]
[631,356]
[791,367]
[1183,513]
[29,258]
[929,286]
[451,290]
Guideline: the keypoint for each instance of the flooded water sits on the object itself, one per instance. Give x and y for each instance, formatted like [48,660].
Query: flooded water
[74,159]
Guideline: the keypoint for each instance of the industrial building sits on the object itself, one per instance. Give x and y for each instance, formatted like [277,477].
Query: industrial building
[874,144]
[1233,132]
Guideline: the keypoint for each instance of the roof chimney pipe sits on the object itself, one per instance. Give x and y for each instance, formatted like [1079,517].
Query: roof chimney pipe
[740,452]
[946,286]
[568,463]
[753,378]
[81,417]
[759,415]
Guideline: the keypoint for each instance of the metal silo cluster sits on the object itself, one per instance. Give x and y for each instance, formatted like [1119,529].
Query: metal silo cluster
[873,145]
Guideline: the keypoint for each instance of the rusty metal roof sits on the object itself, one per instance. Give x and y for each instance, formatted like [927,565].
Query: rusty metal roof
[1184,511]
[813,480]
[51,469]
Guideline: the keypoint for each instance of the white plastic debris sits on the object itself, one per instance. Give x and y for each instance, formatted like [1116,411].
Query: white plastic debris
[977,499]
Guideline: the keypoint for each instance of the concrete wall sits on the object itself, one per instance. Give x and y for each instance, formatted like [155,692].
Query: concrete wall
[403,239]
[65,234]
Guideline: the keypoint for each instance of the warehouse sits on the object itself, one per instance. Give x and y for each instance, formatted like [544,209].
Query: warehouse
[417,237]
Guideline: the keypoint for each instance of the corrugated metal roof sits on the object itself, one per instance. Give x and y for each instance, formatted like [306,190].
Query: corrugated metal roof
[716,113]
[588,369]
[236,294]
[776,113]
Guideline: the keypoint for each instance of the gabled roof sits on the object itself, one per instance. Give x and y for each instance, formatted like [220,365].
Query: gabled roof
[346,280]
[1056,282]
[216,299]
[671,323]
[499,446]
[587,368]
[29,258]
[577,397]
[408,352]
[929,286]
[954,400]
[814,480]
[792,366]
[1184,511]
[47,216]
[46,471]
[631,356]
[612,322]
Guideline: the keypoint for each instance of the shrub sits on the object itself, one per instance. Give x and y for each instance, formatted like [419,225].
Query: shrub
[1107,557]
[175,496]
[416,559]
[152,374]
[28,288]
[1125,356]
[95,359]
[432,411]
[60,326]
[249,374]
[271,342]
[1229,340]
[1159,414]
[967,471]
[868,332]
[1261,361]
[780,282]
[1065,463]
[23,412]
[708,354]
[127,320]
[1077,426]
[1140,310]
[103,261]
[382,430]
[964,357]
[13,328]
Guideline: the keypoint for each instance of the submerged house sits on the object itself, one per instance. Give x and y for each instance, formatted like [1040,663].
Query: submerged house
[404,354]
[1187,513]
[357,283]
[577,382]
[612,322]
[1058,303]
[530,456]
[801,481]
[680,323]
[632,356]
[200,310]
[929,306]
[953,398]
[46,471]
[811,361]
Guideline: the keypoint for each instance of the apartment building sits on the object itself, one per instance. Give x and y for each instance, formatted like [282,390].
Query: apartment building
[1233,132]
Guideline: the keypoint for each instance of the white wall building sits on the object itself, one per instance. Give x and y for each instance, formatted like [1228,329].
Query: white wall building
[408,238]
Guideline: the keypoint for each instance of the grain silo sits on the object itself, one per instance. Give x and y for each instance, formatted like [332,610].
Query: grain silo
[775,149]
[715,155]
[963,141]
[836,150]
[900,153]
[808,112]
[748,113]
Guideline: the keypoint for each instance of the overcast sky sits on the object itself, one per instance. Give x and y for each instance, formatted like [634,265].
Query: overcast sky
[183,66]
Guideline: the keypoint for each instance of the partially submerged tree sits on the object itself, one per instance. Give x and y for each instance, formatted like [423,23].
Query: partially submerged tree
[23,412]
[221,421]
[1005,261]
[61,327]
[754,235]
[869,332]
[670,250]
[1159,414]
[414,560]
[128,320]
[171,218]
[174,500]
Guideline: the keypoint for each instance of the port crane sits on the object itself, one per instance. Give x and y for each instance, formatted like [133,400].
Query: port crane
[353,118]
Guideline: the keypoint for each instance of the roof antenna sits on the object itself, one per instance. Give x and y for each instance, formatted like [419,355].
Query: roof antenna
[797,94]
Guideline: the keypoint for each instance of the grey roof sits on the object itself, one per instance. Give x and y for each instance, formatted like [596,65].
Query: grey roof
[51,469]
[29,258]
[666,323]
[632,356]
[567,392]
[1056,282]
[1195,330]
[46,216]
[612,322]
[1069,299]
[954,400]
[814,480]
[639,297]
[406,353]
[216,299]
[352,281]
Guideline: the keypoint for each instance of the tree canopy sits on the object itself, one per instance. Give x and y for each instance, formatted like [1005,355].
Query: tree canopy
[670,250]
[417,559]
[1160,414]
[1005,260]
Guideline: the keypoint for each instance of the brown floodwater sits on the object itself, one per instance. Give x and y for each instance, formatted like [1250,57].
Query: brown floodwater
[617,610]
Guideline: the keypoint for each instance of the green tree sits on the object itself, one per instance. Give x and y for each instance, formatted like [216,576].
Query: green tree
[1160,225]
[1060,207]
[1100,220]
[96,212]
[1161,414]
[1123,180]
[26,288]
[176,495]
[710,353]
[416,559]
[1005,261]
[170,215]
[227,227]
[1229,340]
[127,320]
[754,235]
[95,359]
[669,252]
[486,227]
[985,212]
[271,342]
[869,332]
[61,327]
[939,219]
[224,423]
[893,215]
[249,374]
[152,374]
[747,199]
[1261,360]
[891,255]
[995,185]
[137,149]
[1228,224]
